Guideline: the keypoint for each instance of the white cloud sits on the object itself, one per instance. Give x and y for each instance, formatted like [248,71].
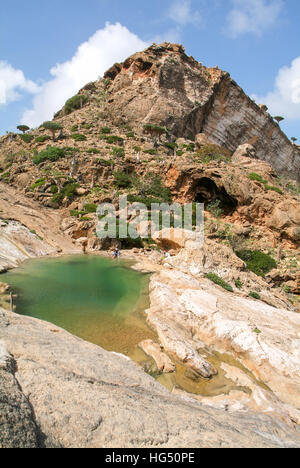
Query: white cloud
[253,16]
[12,83]
[112,44]
[181,12]
[284,100]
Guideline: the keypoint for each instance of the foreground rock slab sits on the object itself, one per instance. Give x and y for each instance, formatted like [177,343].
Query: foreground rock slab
[83,396]
[163,362]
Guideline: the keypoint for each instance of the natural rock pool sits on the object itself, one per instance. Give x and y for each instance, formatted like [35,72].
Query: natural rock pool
[102,301]
[94,298]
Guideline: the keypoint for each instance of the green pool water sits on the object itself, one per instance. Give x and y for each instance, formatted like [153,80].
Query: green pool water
[102,301]
[95,298]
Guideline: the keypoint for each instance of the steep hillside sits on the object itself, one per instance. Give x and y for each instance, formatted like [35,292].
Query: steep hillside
[161,127]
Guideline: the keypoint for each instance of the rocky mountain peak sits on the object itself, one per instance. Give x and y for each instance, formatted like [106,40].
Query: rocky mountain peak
[163,86]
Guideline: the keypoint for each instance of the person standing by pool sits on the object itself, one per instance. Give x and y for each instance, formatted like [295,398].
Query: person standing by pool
[117,253]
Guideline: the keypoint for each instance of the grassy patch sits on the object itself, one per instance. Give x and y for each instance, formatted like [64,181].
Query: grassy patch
[257,178]
[219,281]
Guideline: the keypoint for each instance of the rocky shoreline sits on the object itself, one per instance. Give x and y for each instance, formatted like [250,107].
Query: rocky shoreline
[188,319]
[59,391]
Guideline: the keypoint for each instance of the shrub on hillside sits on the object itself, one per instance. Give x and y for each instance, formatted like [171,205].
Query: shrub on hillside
[51,153]
[75,102]
[257,178]
[123,180]
[26,138]
[219,281]
[78,137]
[257,262]
[118,152]
[42,139]
[209,153]
[105,130]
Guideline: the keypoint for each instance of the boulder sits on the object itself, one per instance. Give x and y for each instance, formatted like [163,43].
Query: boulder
[163,362]
[202,139]
[244,151]
[84,397]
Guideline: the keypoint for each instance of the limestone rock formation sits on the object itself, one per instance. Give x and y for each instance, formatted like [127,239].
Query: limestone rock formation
[163,362]
[163,86]
[192,309]
[83,396]
[27,230]
[17,425]
[247,190]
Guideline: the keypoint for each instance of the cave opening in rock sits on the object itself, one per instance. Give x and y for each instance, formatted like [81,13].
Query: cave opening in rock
[206,191]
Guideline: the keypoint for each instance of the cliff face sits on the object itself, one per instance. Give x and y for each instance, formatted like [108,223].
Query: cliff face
[163,86]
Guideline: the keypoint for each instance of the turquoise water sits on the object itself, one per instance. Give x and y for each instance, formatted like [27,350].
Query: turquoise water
[95,298]
[101,301]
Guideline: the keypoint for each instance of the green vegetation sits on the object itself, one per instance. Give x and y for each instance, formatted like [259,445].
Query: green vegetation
[118,152]
[105,130]
[278,118]
[257,262]
[256,330]
[68,191]
[74,129]
[51,153]
[190,147]
[90,208]
[78,137]
[155,130]
[5,176]
[38,183]
[75,102]
[53,127]
[257,178]
[93,151]
[219,281]
[26,138]
[123,180]
[215,208]
[213,153]
[238,284]
[293,188]
[42,139]
[150,151]
[112,139]
[171,146]
[254,295]
[275,189]
[105,162]
[23,128]
[150,191]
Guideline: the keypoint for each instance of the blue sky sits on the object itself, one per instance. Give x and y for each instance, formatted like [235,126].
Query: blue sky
[48,50]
